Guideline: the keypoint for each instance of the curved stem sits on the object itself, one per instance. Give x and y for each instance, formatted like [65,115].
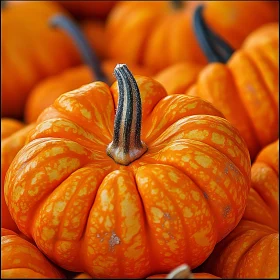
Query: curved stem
[176,4]
[74,31]
[181,272]
[127,145]
[213,46]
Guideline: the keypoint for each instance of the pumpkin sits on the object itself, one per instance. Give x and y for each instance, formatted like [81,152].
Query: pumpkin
[9,126]
[21,259]
[157,45]
[264,192]
[251,250]
[156,186]
[31,51]
[243,85]
[9,148]
[88,9]
[45,93]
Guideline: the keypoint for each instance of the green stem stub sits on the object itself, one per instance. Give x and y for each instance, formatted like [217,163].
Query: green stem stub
[127,145]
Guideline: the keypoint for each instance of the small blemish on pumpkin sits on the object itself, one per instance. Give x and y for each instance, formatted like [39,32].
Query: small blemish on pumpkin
[205,195]
[113,241]
[226,211]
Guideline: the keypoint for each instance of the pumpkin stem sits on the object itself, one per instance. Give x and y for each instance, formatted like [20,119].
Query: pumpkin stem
[176,4]
[181,272]
[74,31]
[127,145]
[213,46]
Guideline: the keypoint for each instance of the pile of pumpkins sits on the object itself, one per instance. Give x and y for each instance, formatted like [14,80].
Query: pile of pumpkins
[140,139]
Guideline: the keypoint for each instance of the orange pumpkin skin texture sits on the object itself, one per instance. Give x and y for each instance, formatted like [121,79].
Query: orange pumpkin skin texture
[47,91]
[9,126]
[189,187]
[157,45]
[250,81]
[9,148]
[264,191]
[30,51]
[21,259]
[251,250]
[195,276]
[88,9]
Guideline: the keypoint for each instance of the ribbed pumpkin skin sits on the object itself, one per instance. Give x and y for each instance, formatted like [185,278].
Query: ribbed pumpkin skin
[264,192]
[190,187]
[9,148]
[251,250]
[157,44]
[246,90]
[31,50]
[9,126]
[48,90]
[21,259]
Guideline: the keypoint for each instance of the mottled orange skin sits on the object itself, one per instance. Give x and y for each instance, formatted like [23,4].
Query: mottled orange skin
[158,44]
[264,192]
[246,90]
[89,9]
[30,51]
[251,250]
[170,206]
[21,259]
[48,90]
[9,148]
[9,126]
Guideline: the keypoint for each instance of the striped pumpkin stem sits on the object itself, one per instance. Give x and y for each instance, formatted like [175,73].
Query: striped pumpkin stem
[127,145]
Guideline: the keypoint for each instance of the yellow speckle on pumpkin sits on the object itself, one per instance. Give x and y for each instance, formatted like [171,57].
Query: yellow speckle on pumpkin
[86,113]
[201,238]
[173,176]
[198,134]
[218,138]
[203,161]
[187,212]
[192,105]
[47,233]
[157,214]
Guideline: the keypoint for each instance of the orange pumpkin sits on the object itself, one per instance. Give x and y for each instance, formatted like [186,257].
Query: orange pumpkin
[21,259]
[86,9]
[245,88]
[31,50]
[9,126]
[264,192]
[251,250]
[9,148]
[157,44]
[46,92]
[170,185]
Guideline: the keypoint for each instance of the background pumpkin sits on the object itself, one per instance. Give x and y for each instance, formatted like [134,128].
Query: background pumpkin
[9,126]
[251,250]
[9,148]
[46,92]
[21,259]
[245,89]
[93,201]
[157,46]
[31,50]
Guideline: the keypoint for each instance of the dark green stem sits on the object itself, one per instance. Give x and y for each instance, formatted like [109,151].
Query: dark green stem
[81,42]
[127,145]
[213,46]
